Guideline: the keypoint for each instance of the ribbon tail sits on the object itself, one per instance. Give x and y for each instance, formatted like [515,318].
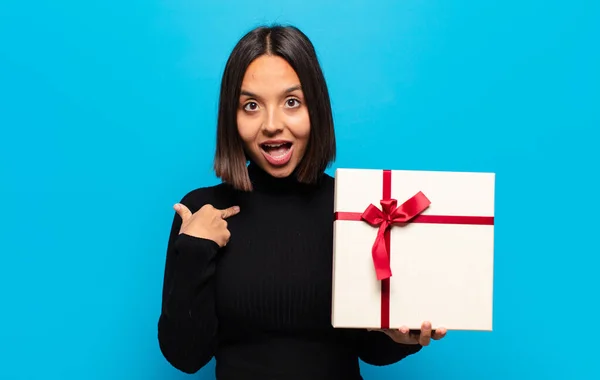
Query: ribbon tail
[380,254]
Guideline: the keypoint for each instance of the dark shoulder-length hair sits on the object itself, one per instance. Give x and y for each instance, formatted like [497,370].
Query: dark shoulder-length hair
[291,44]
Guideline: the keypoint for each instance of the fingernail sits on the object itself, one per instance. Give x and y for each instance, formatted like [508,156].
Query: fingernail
[176,206]
[236,208]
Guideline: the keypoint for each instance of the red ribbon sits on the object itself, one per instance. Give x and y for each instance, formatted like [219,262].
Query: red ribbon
[384,218]
[390,214]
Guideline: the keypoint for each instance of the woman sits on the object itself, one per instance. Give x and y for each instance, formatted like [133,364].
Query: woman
[249,261]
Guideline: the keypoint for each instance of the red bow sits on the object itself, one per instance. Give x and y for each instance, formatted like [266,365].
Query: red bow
[390,214]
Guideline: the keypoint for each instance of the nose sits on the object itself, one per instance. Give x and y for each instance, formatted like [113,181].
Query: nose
[272,124]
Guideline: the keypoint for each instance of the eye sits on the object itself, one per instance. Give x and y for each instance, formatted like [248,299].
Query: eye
[251,106]
[292,103]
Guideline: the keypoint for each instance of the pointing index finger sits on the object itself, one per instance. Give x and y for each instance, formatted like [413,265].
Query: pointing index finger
[229,212]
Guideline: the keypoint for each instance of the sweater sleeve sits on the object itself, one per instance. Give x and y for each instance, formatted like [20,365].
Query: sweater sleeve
[377,348]
[187,327]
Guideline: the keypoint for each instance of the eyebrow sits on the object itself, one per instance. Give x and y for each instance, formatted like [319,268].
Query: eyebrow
[287,91]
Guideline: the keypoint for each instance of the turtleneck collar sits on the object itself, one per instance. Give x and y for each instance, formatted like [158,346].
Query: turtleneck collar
[264,182]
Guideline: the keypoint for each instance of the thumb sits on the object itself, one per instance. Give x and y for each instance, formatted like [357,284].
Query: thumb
[228,212]
[182,211]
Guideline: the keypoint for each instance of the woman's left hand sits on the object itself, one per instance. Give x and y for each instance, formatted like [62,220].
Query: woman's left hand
[422,337]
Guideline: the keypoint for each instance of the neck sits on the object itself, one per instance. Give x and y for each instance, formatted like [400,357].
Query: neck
[265,182]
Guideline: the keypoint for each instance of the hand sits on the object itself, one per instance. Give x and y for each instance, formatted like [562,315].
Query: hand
[207,223]
[422,337]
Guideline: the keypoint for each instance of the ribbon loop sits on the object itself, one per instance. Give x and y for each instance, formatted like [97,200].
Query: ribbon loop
[385,217]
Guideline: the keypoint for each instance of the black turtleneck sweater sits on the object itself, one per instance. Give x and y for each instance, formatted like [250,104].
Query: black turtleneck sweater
[262,305]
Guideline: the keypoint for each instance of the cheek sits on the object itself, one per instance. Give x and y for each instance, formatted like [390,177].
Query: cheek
[300,126]
[247,128]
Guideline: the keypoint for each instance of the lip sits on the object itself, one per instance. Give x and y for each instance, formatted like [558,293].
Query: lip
[280,160]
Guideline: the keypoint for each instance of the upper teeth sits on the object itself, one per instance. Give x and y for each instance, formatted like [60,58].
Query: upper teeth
[273,145]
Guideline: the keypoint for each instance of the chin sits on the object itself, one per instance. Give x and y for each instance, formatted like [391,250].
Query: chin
[279,172]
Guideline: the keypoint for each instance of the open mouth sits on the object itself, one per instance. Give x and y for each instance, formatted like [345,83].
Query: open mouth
[277,153]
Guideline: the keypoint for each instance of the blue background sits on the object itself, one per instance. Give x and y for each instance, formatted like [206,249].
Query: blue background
[107,117]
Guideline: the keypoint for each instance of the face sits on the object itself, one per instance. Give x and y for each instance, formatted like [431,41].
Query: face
[272,117]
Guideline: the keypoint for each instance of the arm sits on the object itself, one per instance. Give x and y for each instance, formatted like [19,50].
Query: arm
[187,325]
[377,348]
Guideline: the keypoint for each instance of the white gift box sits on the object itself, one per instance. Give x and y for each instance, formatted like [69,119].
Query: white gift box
[441,259]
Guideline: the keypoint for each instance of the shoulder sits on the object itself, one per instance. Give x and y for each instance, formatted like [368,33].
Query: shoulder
[327,181]
[219,196]
[326,188]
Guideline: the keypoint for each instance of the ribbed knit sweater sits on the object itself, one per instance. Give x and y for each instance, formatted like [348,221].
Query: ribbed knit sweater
[262,304]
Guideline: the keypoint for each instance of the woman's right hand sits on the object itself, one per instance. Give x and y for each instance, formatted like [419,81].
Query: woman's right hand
[206,223]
